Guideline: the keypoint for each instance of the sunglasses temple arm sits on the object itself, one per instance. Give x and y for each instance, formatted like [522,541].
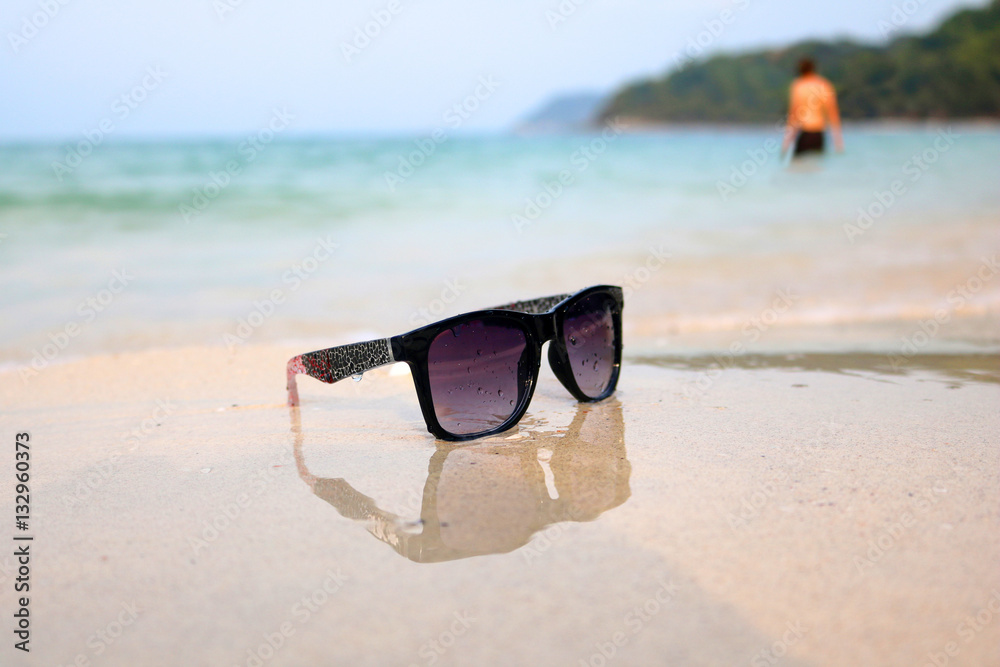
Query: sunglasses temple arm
[295,366]
[336,363]
[535,306]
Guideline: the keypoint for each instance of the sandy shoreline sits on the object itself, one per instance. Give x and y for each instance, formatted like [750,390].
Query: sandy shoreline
[814,506]
[749,292]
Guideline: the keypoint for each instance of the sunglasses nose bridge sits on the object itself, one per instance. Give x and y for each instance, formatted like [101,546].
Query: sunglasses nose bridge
[545,328]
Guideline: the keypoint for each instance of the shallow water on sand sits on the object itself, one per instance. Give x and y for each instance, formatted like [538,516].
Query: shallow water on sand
[826,505]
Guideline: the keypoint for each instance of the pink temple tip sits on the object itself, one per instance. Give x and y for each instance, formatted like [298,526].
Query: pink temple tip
[295,366]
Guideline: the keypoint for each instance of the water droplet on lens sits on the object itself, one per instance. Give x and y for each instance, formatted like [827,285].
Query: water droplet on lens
[595,365]
[500,393]
[357,377]
[572,340]
[512,402]
[479,353]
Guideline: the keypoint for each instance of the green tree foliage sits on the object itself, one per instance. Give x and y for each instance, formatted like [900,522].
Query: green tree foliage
[952,72]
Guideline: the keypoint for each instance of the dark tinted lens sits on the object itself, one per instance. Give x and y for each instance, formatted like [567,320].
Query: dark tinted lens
[473,372]
[589,334]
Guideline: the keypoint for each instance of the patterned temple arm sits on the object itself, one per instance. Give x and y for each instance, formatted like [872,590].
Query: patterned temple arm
[535,306]
[337,363]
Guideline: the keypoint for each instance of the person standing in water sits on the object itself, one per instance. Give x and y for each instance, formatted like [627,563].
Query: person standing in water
[812,105]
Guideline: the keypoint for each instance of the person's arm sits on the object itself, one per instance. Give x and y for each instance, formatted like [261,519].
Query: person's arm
[791,126]
[833,113]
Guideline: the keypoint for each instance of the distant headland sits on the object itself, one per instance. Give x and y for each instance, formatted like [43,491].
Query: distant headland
[952,72]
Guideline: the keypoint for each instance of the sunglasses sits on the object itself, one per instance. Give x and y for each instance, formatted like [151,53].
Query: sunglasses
[475,373]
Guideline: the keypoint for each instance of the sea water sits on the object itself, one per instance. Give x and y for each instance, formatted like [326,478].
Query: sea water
[326,239]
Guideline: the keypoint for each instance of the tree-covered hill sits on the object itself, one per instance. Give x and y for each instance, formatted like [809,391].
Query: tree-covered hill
[952,72]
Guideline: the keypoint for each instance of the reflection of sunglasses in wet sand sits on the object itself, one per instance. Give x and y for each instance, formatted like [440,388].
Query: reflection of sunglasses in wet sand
[475,373]
[491,497]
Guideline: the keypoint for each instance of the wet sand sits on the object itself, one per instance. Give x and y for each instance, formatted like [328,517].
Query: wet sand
[790,509]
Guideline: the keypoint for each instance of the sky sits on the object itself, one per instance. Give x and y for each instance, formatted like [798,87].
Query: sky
[166,68]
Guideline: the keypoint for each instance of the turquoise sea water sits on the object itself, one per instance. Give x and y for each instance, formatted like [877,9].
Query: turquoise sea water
[333,238]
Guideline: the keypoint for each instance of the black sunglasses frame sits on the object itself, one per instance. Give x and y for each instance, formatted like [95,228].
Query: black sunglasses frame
[541,320]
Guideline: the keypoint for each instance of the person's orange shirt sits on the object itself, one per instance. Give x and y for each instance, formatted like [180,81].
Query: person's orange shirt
[813,103]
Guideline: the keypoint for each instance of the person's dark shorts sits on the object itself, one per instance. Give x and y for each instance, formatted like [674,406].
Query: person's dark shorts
[808,142]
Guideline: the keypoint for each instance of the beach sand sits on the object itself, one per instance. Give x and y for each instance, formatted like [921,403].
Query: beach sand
[822,509]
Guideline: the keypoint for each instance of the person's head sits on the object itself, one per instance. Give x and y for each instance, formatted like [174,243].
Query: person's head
[806,66]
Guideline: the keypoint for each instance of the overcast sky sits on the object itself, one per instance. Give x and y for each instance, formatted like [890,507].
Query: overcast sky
[222,66]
